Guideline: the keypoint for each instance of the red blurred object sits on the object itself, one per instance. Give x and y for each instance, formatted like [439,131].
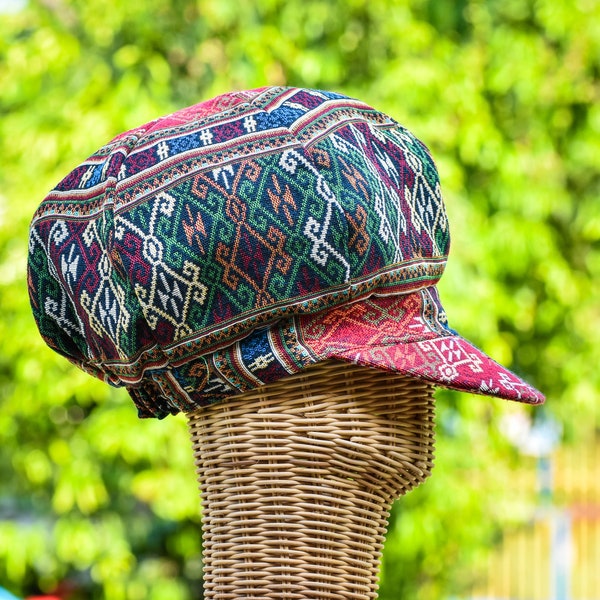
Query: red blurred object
[63,591]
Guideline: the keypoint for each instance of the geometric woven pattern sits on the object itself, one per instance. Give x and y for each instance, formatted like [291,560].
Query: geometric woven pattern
[224,223]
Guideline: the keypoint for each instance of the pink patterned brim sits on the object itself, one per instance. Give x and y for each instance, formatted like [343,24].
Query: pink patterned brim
[409,334]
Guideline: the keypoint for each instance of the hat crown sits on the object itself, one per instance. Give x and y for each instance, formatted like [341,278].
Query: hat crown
[187,233]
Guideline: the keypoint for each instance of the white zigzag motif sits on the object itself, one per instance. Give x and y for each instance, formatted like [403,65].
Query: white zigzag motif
[106,307]
[427,208]
[339,143]
[386,162]
[425,202]
[58,310]
[386,231]
[69,266]
[317,232]
[511,384]
[386,201]
[170,294]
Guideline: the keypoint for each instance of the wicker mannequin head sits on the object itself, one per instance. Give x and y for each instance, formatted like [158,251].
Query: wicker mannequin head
[297,479]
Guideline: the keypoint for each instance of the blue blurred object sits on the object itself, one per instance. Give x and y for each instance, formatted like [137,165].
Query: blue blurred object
[6,595]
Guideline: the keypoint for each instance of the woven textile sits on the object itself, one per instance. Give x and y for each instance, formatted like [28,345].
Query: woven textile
[244,238]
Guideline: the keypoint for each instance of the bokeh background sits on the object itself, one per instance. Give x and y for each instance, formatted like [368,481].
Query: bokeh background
[95,503]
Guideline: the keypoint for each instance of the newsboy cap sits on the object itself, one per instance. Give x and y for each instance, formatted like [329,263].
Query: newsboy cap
[245,238]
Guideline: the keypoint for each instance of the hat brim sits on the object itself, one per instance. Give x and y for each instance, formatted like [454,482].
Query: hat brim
[408,334]
[403,333]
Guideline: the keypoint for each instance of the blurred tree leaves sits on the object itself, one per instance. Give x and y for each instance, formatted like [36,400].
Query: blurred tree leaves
[506,94]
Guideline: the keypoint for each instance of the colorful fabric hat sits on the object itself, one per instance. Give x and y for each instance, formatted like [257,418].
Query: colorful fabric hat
[245,238]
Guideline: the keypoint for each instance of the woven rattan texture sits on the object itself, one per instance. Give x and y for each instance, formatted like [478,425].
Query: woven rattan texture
[297,479]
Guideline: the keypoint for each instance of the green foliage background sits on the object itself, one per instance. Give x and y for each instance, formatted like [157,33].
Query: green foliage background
[506,94]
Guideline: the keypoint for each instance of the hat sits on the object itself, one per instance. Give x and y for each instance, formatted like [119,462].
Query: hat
[245,238]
